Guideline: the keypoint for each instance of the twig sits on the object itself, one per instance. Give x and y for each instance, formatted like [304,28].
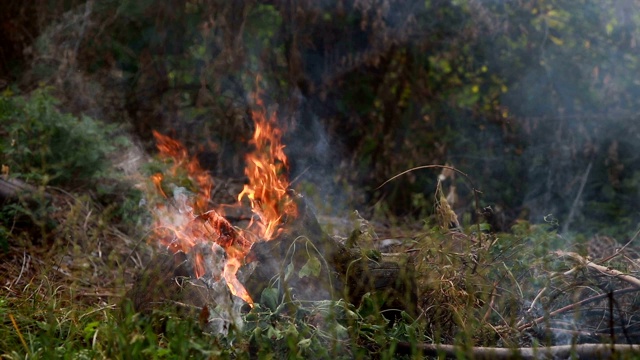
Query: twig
[15,326]
[533,303]
[574,206]
[491,302]
[185,305]
[603,269]
[101,295]
[25,263]
[110,307]
[619,251]
[598,351]
[427,167]
[299,175]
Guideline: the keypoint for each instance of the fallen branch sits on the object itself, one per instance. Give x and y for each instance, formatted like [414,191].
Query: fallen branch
[12,190]
[619,251]
[635,282]
[575,305]
[603,269]
[581,351]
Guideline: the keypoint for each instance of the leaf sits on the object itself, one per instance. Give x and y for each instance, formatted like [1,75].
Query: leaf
[311,268]
[304,344]
[273,333]
[341,332]
[90,329]
[288,272]
[556,40]
[291,331]
[269,298]
[367,306]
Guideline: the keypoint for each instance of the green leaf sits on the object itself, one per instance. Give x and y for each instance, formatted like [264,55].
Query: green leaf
[311,268]
[304,344]
[273,333]
[90,329]
[367,306]
[269,298]
[288,272]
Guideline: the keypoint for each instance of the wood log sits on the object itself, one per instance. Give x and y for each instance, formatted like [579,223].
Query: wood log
[579,351]
[13,190]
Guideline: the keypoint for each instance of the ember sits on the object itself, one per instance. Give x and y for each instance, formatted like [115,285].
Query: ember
[190,222]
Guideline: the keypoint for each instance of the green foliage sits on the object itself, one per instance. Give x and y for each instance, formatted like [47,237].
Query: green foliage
[321,330]
[45,146]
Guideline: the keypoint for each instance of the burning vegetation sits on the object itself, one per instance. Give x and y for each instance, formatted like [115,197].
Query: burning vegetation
[184,224]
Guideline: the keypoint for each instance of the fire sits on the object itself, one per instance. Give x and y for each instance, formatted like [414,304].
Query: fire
[187,222]
[266,170]
[169,147]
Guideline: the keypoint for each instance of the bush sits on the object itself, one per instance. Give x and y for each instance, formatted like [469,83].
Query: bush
[43,145]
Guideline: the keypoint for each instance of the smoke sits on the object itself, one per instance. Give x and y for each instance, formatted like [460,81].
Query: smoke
[572,106]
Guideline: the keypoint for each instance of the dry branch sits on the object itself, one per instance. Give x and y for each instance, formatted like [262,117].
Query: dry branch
[603,269]
[635,282]
[12,190]
[576,305]
[582,351]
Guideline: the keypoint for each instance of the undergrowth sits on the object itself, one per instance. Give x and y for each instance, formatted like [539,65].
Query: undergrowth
[70,251]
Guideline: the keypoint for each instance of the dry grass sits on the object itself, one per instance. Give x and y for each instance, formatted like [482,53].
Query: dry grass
[67,270]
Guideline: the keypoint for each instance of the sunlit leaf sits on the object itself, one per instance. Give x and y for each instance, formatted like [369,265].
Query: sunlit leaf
[311,268]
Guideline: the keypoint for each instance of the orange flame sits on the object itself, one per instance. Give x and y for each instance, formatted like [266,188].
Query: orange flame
[171,148]
[180,227]
[266,170]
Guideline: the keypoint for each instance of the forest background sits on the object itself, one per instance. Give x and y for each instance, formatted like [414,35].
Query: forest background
[527,97]
[537,101]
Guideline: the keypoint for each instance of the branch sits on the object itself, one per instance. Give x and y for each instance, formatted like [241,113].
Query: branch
[635,282]
[603,269]
[575,305]
[576,201]
[12,190]
[582,351]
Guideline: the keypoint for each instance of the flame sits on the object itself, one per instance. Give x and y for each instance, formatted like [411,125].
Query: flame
[267,169]
[170,148]
[189,222]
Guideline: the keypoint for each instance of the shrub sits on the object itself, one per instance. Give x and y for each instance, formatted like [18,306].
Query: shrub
[43,145]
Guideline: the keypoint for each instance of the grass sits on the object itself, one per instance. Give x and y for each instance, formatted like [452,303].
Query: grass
[69,258]
[66,298]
